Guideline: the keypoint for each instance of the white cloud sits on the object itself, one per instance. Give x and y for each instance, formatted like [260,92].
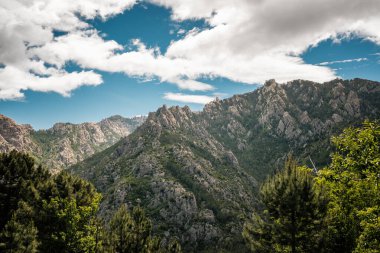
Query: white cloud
[192,85]
[181,31]
[247,41]
[342,61]
[252,40]
[13,81]
[25,26]
[185,98]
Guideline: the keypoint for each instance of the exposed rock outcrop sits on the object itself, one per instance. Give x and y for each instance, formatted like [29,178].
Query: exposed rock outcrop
[196,172]
[65,144]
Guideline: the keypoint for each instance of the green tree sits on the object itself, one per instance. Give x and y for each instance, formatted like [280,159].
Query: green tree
[369,238]
[352,180]
[20,234]
[293,215]
[174,246]
[132,233]
[45,213]
[20,179]
[103,239]
[67,217]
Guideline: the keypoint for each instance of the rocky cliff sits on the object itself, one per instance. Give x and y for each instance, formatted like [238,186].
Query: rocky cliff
[65,144]
[196,173]
[14,136]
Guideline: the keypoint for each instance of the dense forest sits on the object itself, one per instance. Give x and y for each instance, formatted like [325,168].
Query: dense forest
[40,212]
[335,209]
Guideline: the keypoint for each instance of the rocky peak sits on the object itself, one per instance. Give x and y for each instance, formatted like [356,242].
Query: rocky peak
[9,129]
[114,118]
[270,83]
[196,172]
[65,143]
[14,136]
[172,117]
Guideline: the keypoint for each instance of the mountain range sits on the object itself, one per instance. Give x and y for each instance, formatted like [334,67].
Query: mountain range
[65,144]
[197,173]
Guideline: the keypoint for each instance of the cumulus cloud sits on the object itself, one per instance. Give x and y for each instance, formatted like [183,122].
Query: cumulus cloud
[25,26]
[89,50]
[186,98]
[247,41]
[254,40]
[342,61]
[14,80]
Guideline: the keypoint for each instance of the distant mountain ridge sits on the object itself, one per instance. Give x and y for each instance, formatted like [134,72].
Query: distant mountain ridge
[196,173]
[65,143]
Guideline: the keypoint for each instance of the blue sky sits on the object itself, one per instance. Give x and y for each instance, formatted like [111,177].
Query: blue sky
[126,93]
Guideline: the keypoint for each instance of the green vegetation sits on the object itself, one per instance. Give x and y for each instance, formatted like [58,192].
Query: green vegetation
[352,180]
[132,232]
[57,211]
[293,216]
[40,212]
[336,210]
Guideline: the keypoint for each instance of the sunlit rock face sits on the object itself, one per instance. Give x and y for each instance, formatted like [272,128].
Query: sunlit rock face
[65,144]
[197,173]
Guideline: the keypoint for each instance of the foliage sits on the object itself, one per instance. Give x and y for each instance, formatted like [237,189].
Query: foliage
[352,180]
[293,216]
[20,180]
[44,213]
[369,238]
[70,207]
[132,233]
[350,183]
[20,234]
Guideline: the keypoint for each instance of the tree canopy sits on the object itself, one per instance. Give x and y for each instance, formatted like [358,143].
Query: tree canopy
[40,212]
[336,210]
[352,180]
[132,233]
[293,214]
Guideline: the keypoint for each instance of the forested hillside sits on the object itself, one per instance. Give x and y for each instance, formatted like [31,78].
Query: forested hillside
[198,173]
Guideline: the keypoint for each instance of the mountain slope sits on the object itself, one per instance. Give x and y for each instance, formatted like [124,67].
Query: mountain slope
[190,184]
[297,117]
[65,144]
[196,172]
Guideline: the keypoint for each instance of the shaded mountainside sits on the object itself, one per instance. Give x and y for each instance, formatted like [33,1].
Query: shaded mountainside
[65,144]
[196,173]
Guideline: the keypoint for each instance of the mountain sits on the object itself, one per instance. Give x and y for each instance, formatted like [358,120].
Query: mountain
[65,144]
[197,173]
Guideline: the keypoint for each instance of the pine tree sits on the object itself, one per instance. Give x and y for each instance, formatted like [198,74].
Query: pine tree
[67,215]
[293,216]
[20,234]
[44,213]
[174,246]
[20,179]
[132,233]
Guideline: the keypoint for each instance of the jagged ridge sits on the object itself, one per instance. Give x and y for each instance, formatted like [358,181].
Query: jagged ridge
[65,144]
[196,172]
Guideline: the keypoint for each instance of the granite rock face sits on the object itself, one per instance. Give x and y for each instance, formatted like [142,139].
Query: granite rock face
[65,144]
[14,136]
[197,173]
